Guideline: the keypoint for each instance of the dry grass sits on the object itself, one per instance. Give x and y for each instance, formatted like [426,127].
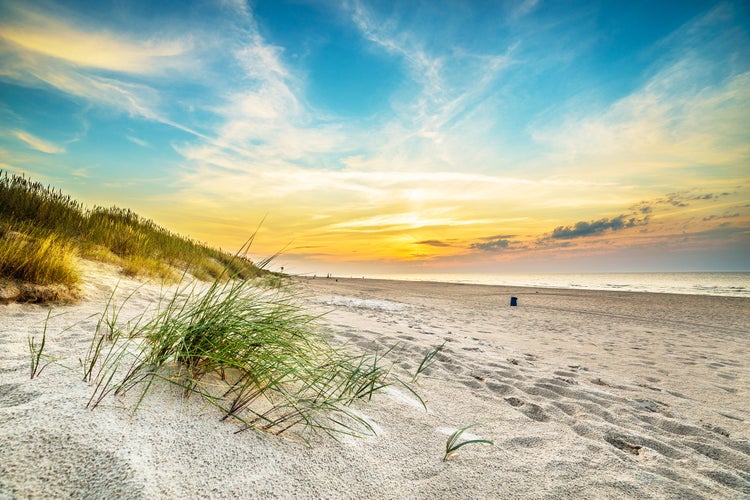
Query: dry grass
[137,265]
[44,260]
[42,231]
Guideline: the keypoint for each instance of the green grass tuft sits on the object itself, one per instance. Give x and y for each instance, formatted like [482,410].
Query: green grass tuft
[252,352]
[37,354]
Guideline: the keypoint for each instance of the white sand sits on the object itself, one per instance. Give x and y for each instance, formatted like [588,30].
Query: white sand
[585,395]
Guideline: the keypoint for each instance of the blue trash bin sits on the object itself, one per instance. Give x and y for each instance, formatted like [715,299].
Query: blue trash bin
[514,301]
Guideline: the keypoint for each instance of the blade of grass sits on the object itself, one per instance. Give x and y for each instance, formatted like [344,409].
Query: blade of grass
[453,444]
[427,361]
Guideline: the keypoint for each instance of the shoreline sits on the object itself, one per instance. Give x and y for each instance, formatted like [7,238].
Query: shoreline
[731,315]
[585,394]
[741,290]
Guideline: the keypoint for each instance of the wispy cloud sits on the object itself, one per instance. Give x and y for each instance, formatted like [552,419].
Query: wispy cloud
[408,220]
[434,243]
[101,67]
[136,140]
[439,116]
[31,31]
[691,111]
[134,99]
[424,67]
[263,122]
[37,143]
[662,127]
[524,8]
[723,216]
[493,245]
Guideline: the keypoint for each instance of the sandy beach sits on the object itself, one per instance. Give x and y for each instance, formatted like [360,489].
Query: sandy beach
[585,394]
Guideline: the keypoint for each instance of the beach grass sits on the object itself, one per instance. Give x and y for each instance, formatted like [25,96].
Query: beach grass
[43,231]
[43,260]
[36,351]
[453,443]
[228,332]
[40,359]
[250,351]
[427,361]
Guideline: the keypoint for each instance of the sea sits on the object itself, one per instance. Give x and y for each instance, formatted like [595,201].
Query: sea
[731,284]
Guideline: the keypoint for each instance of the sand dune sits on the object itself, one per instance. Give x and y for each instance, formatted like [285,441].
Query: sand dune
[584,394]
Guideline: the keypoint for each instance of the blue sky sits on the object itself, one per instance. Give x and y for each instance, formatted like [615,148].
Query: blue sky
[413,136]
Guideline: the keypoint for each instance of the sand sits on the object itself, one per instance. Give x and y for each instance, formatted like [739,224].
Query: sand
[585,394]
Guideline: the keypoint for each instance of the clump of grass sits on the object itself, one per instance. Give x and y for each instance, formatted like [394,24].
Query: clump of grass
[251,352]
[209,270]
[42,261]
[106,340]
[453,443]
[137,265]
[36,355]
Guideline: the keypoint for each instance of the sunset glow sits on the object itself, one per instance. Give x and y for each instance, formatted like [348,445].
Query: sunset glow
[397,137]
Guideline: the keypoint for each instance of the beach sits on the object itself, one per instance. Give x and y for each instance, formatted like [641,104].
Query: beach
[584,394]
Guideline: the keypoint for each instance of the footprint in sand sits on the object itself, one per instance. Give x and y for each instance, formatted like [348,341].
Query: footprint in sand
[718,430]
[653,406]
[499,388]
[11,396]
[71,467]
[621,443]
[531,410]
[728,479]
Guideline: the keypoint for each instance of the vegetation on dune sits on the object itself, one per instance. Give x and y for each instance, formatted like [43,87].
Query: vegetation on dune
[242,344]
[42,231]
[44,260]
[252,352]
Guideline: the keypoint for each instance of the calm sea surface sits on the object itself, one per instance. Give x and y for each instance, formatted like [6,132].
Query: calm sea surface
[728,284]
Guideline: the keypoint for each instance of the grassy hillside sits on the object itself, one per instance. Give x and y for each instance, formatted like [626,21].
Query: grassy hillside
[43,232]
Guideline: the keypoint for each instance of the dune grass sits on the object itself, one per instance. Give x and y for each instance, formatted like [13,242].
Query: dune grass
[36,351]
[39,359]
[453,443]
[43,260]
[252,352]
[42,230]
[240,343]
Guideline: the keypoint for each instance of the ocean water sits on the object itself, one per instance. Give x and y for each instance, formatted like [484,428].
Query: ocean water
[726,284]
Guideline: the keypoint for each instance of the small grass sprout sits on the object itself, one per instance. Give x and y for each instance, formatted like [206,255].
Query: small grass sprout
[453,443]
[37,352]
[427,361]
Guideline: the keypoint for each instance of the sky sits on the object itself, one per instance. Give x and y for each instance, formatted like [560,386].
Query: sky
[376,137]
